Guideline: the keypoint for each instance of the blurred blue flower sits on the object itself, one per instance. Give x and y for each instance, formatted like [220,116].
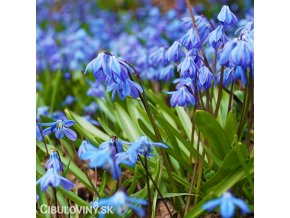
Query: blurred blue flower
[175,52]
[227,203]
[91,120]
[226,17]
[58,115]
[38,132]
[96,89]
[44,110]
[85,147]
[166,73]
[181,97]
[69,100]
[141,147]
[54,162]
[60,128]
[91,108]
[121,202]
[52,178]
[157,57]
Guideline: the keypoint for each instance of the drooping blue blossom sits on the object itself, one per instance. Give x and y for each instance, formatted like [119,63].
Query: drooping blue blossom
[217,37]
[102,157]
[91,120]
[188,67]
[54,162]
[69,100]
[52,178]
[44,110]
[227,203]
[205,78]
[120,202]
[241,54]
[226,17]
[86,146]
[181,97]
[38,132]
[114,144]
[141,147]
[60,128]
[190,40]
[224,54]
[232,74]
[175,52]
[99,66]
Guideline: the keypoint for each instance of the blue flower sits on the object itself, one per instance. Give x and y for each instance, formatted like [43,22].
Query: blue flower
[124,89]
[187,67]
[157,58]
[44,110]
[227,203]
[38,132]
[120,202]
[205,77]
[217,37]
[190,40]
[58,115]
[241,54]
[91,108]
[226,17]
[141,147]
[91,120]
[99,66]
[69,100]
[52,178]
[181,97]
[96,89]
[114,145]
[224,54]
[86,146]
[175,52]
[54,162]
[60,128]
[166,73]
[102,157]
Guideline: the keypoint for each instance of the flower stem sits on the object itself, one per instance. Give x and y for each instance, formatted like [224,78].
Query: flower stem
[148,187]
[55,201]
[231,97]
[220,92]
[156,187]
[199,177]
[194,174]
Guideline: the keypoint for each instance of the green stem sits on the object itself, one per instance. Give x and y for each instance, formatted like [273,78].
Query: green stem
[199,177]
[55,201]
[156,187]
[220,92]
[148,188]
[231,97]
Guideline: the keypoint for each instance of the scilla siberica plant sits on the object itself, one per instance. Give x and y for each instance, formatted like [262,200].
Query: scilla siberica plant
[162,62]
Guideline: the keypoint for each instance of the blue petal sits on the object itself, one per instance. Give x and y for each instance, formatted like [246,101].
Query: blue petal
[69,133]
[210,205]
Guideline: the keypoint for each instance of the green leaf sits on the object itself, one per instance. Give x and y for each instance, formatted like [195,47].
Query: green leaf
[129,127]
[231,126]
[185,120]
[213,133]
[86,128]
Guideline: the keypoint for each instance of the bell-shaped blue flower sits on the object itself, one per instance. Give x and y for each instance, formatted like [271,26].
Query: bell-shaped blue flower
[190,40]
[52,178]
[224,54]
[175,52]
[141,147]
[69,100]
[60,128]
[91,108]
[86,146]
[114,145]
[216,37]
[226,17]
[227,203]
[120,202]
[101,158]
[187,67]
[205,78]
[181,97]
[241,54]
[99,66]
[54,162]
